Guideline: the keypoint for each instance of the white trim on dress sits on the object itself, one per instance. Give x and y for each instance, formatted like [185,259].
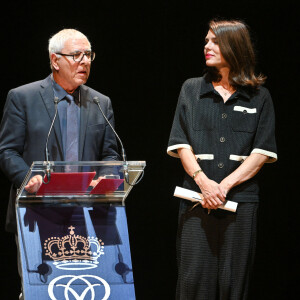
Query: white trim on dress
[171,149]
[205,156]
[237,157]
[272,156]
[247,109]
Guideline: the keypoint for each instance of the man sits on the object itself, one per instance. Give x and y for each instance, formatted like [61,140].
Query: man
[30,109]
[80,132]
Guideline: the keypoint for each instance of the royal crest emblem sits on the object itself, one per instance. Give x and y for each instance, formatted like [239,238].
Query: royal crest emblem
[74,252]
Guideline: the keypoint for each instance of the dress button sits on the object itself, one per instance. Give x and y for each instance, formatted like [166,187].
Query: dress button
[224,116]
[220,165]
[222,139]
[244,111]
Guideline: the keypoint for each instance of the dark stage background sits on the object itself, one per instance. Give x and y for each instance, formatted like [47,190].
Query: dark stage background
[144,54]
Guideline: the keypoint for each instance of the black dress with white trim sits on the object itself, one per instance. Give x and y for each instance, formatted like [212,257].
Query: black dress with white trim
[222,135]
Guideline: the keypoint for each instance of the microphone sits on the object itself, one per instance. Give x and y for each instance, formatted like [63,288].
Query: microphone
[48,171]
[126,174]
[97,101]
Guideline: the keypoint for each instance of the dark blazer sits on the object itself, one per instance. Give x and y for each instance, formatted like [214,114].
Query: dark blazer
[27,116]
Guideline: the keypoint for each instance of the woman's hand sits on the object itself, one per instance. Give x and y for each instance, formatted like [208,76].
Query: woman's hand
[225,186]
[34,184]
[213,193]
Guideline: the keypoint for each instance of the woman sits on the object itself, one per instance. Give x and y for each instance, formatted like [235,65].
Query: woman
[223,133]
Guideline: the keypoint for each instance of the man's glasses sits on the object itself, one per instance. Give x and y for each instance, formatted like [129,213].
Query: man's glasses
[78,56]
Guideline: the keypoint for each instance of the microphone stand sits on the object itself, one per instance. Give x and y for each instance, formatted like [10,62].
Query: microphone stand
[125,165]
[48,165]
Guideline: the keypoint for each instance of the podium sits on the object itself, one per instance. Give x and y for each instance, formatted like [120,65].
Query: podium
[73,234]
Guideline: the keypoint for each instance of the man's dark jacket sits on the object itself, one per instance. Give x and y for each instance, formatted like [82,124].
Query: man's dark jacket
[27,116]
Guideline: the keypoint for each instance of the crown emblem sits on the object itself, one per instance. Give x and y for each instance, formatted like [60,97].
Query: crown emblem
[74,252]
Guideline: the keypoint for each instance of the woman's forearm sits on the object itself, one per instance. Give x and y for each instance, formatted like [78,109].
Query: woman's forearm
[212,192]
[248,169]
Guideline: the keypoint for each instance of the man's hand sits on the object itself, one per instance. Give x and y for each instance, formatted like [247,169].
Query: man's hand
[96,181]
[34,184]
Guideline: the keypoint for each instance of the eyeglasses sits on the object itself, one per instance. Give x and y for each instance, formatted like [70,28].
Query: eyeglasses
[78,56]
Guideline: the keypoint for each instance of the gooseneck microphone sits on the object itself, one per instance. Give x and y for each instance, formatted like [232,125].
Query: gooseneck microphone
[48,167]
[97,101]
[126,174]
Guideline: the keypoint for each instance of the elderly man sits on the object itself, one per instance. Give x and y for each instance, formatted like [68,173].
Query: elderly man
[80,132]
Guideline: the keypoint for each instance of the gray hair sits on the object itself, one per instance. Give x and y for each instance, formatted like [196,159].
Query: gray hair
[57,41]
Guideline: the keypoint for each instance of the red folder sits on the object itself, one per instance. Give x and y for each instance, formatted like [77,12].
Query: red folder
[67,183]
[107,185]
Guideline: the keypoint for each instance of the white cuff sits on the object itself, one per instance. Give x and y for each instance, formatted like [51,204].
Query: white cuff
[272,156]
[173,153]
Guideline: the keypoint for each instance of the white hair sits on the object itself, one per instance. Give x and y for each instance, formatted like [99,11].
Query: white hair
[57,41]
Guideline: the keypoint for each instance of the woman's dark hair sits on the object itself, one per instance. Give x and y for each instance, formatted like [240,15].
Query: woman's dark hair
[236,47]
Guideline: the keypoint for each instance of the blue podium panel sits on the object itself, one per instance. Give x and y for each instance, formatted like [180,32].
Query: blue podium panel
[75,252]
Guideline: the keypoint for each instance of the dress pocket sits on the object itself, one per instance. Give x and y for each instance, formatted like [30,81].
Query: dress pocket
[203,114]
[244,119]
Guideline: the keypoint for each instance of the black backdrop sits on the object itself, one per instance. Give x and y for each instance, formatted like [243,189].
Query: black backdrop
[144,53]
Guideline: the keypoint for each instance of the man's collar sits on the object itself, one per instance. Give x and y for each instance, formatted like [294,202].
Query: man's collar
[60,93]
[76,95]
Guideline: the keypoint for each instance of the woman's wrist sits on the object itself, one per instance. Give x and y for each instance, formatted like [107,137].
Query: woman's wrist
[196,173]
[199,178]
[226,185]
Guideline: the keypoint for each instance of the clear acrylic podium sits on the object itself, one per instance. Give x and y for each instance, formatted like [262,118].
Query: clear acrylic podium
[73,235]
